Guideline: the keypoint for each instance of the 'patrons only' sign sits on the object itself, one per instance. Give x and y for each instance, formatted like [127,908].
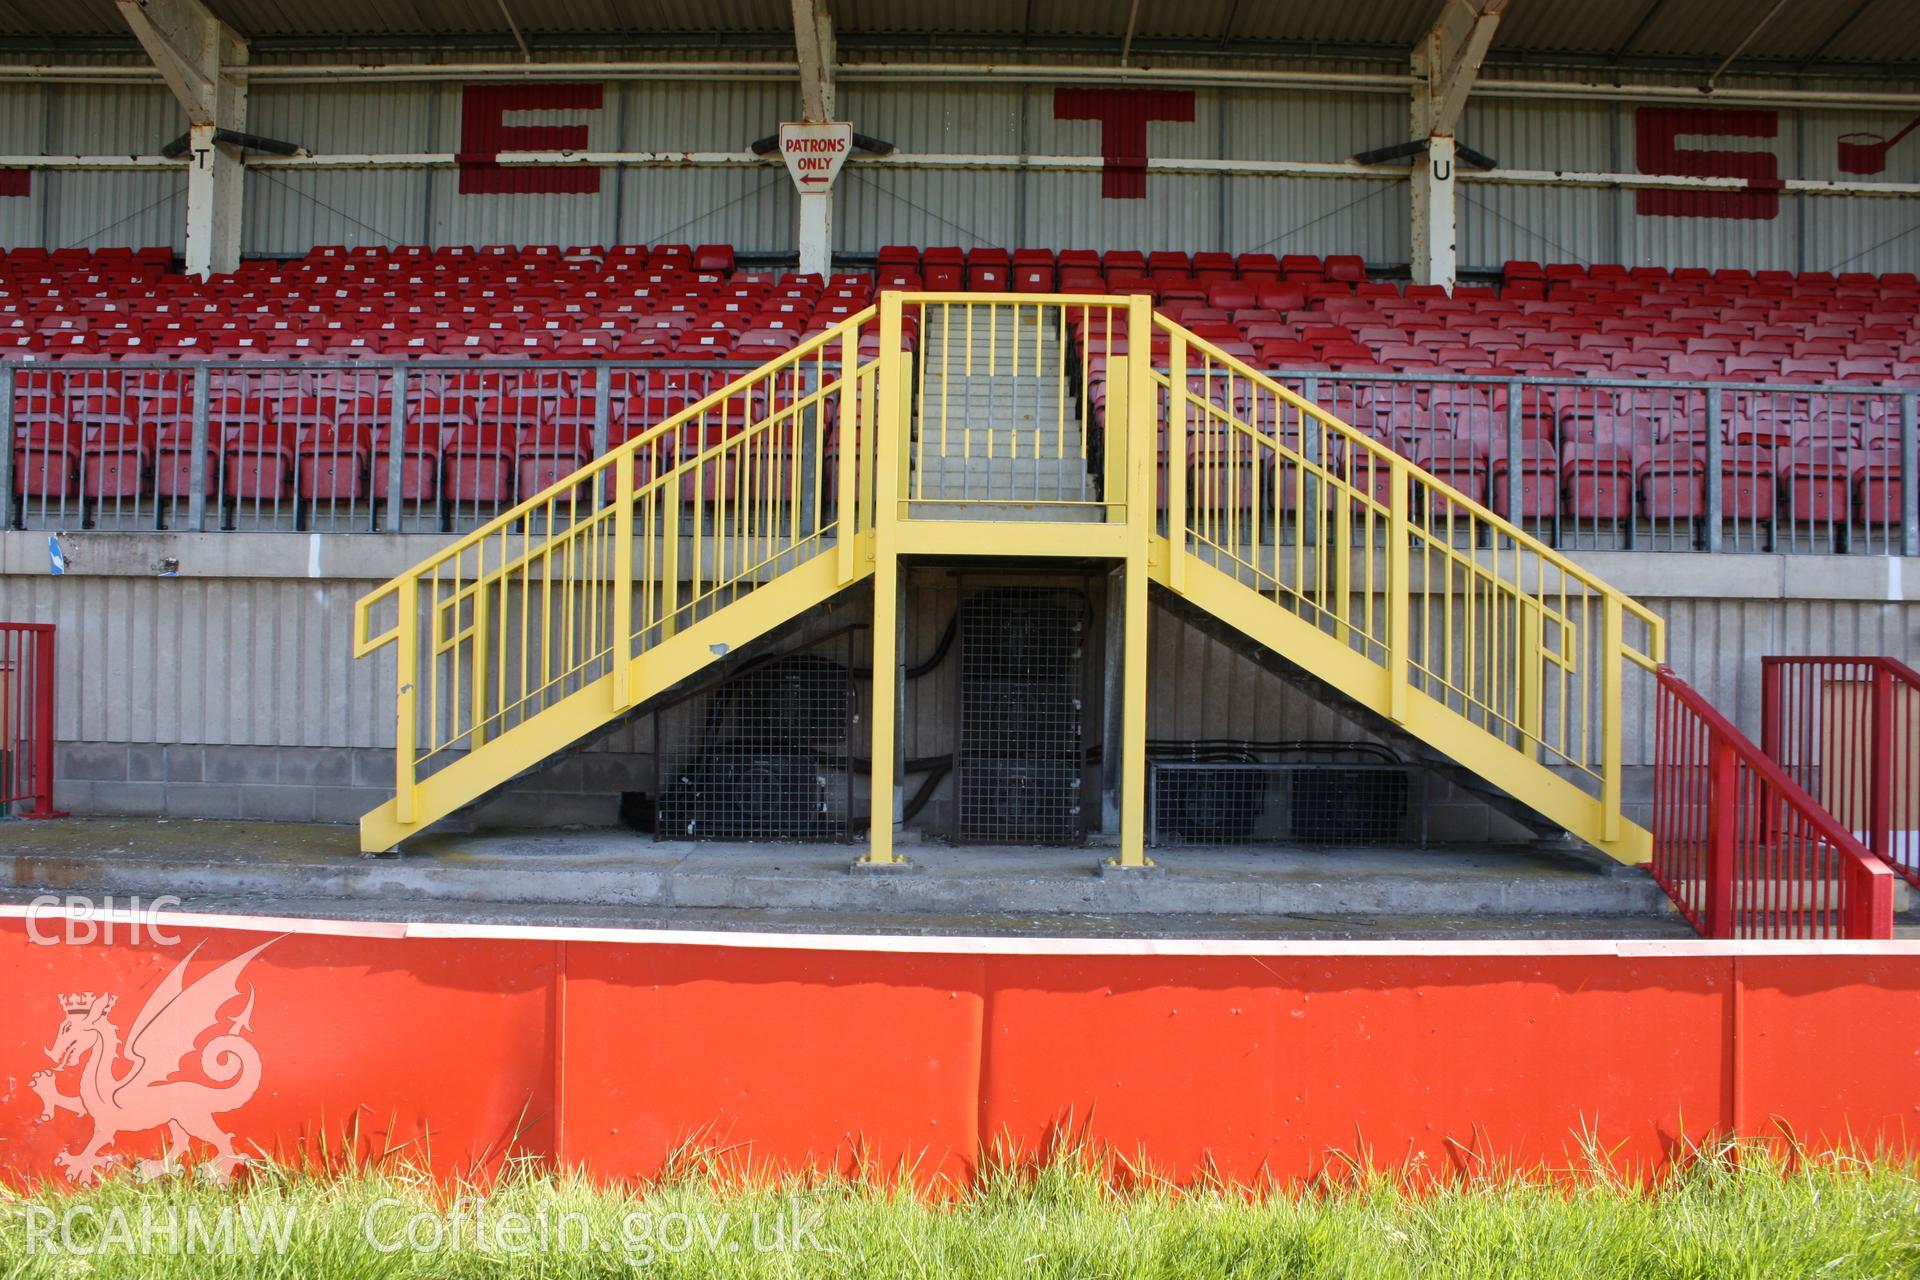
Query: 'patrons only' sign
[814,153]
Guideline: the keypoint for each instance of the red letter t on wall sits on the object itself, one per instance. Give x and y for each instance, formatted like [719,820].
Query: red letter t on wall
[1123,116]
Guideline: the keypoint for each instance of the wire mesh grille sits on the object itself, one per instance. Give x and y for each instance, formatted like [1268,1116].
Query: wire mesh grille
[1021,752]
[1309,794]
[764,756]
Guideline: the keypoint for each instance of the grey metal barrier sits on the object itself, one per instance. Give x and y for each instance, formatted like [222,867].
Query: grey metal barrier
[340,446]
[1668,466]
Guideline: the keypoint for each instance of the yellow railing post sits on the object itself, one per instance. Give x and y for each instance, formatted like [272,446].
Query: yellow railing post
[897,427]
[406,733]
[891,429]
[1337,497]
[1399,588]
[846,502]
[1118,432]
[621,641]
[1532,690]
[670,503]
[478,650]
[1612,659]
[1147,416]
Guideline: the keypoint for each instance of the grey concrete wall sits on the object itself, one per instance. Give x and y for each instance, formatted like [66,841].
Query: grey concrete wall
[229,689]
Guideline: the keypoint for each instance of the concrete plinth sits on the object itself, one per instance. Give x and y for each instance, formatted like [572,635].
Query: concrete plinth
[313,869]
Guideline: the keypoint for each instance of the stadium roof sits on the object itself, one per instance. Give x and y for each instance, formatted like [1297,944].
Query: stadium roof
[1836,34]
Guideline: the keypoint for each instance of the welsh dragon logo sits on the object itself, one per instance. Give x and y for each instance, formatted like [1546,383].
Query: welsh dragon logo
[144,1093]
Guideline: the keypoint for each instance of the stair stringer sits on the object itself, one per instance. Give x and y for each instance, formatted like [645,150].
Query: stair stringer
[1367,685]
[695,646]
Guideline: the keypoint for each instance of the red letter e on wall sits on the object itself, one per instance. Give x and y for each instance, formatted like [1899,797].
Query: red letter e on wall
[484,134]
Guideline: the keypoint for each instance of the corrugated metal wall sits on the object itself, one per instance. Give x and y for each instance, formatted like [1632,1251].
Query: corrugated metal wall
[236,661]
[754,209]
[92,210]
[266,662]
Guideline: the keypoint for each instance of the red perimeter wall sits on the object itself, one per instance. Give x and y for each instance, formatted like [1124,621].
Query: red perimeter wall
[610,1049]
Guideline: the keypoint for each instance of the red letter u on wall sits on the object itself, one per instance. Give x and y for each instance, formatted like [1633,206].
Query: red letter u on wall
[484,134]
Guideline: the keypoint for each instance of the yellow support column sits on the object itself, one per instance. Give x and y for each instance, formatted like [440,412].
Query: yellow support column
[1399,588]
[846,502]
[1142,426]
[891,429]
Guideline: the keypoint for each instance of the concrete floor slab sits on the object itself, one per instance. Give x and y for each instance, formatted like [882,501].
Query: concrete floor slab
[617,877]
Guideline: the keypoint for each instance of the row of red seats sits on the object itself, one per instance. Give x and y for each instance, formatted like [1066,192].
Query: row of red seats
[1601,483]
[752,346]
[1881,348]
[945,269]
[451,449]
[706,257]
[1614,275]
[323,292]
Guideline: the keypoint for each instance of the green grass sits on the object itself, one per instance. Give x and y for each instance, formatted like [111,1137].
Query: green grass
[1727,1214]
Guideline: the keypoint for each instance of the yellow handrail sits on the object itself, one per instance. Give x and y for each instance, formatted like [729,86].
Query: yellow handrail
[571,584]
[1455,601]
[364,643]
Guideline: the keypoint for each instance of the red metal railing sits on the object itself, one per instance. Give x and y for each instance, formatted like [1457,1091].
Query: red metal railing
[1848,730]
[1741,848]
[26,720]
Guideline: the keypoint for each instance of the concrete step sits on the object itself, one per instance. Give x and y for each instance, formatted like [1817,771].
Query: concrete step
[1002,459]
[998,439]
[1051,509]
[1001,478]
[265,864]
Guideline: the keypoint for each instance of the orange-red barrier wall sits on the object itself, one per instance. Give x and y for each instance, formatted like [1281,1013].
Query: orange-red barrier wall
[612,1050]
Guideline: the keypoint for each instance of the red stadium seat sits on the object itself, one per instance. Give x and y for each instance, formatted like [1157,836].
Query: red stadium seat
[1033,271]
[259,460]
[419,462]
[988,270]
[549,451]
[46,457]
[1818,482]
[477,461]
[333,463]
[944,269]
[1599,480]
[1537,468]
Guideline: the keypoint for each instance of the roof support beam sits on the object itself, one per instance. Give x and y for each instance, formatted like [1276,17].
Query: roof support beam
[1445,63]
[204,62]
[1752,35]
[813,44]
[1447,60]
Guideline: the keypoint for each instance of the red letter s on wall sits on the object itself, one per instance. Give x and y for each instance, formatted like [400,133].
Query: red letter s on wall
[484,134]
[1657,131]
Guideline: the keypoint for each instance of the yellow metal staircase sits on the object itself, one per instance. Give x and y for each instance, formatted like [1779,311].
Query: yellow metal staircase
[1022,426]
[691,539]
